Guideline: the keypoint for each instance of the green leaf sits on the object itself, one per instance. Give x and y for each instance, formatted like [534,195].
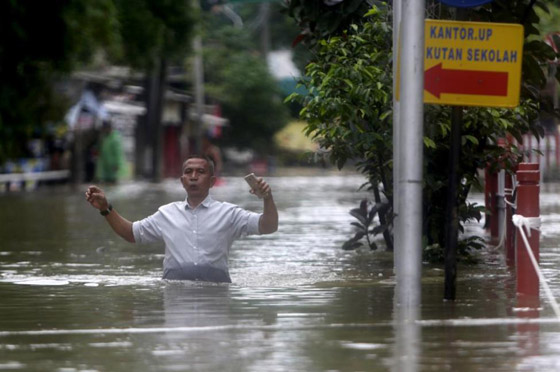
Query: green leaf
[349,83]
[384,115]
[351,245]
[358,225]
[471,139]
[372,12]
[429,143]
[359,216]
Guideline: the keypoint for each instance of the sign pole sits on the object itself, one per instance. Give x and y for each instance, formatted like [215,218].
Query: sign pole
[468,64]
[412,145]
[396,133]
[451,209]
[473,63]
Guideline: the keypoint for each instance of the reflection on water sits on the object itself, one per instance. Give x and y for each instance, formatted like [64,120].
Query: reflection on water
[75,297]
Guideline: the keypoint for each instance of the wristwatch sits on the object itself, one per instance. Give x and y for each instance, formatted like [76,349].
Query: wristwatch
[107,211]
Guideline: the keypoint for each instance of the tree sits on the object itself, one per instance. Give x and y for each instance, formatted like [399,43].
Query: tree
[321,19]
[151,30]
[549,19]
[155,34]
[39,43]
[349,109]
[42,42]
[237,77]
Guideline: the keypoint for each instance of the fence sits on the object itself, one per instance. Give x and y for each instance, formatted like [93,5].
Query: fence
[520,234]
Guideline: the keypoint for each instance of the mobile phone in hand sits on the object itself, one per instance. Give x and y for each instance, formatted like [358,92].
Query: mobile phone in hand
[251,179]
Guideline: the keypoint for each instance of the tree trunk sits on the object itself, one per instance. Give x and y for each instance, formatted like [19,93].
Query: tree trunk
[150,134]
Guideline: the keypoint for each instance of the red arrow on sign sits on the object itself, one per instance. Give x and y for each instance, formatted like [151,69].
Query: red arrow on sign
[488,83]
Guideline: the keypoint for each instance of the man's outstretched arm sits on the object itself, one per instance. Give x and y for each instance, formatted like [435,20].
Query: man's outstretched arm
[268,222]
[123,227]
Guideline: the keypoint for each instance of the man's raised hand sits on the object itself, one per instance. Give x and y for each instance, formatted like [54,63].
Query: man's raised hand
[96,197]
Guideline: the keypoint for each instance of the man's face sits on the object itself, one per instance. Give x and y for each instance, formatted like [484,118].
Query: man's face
[196,178]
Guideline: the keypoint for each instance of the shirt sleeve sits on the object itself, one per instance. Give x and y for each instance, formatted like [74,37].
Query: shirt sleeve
[246,222]
[253,223]
[148,229]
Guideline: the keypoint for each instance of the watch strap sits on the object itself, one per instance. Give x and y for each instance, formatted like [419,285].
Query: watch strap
[107,211]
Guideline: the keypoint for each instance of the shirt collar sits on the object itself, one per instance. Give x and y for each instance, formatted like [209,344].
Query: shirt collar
[205,203]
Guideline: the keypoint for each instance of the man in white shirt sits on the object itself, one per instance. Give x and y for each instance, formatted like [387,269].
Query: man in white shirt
[198,232]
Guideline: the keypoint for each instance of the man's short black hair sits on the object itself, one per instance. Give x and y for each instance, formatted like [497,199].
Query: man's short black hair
[204,157]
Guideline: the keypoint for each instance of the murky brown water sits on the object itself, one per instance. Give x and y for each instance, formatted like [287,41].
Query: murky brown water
[76,298]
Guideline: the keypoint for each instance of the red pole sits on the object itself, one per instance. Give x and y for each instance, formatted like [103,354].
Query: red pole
[528,178]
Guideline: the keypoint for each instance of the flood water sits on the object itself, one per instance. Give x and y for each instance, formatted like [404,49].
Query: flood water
[74,297]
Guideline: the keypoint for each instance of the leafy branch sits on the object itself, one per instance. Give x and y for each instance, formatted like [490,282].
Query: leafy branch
[366,226]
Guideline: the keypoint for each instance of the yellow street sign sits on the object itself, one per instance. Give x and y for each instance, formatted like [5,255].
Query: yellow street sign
[472,63]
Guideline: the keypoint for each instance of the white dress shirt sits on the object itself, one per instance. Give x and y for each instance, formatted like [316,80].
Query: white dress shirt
[197,241]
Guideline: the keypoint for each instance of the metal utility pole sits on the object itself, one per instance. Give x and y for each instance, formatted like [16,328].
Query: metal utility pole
[451,209]
[198,71]
[396,131]
[408,144]
[411,145]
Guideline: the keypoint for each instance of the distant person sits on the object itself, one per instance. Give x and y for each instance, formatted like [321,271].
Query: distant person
[199,231]
[110,164]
